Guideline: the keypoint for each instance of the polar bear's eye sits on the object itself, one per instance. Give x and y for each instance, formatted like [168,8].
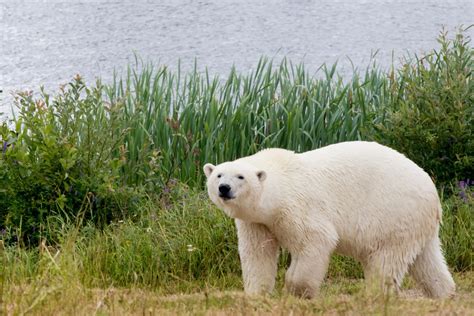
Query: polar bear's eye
[219,175]
[241,177]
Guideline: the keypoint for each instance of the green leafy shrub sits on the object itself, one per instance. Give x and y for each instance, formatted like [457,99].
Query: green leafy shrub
[432,120]
[62,158]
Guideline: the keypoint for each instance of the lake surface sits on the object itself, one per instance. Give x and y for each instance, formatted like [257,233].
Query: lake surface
[48,42]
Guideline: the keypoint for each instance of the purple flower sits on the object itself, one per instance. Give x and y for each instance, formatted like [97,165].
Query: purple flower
[463,186]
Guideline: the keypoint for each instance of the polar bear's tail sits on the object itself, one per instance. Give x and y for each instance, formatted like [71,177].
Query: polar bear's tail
[431,272]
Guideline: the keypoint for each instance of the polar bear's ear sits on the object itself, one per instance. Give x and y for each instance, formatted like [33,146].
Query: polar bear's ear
[261,175]
[208,168]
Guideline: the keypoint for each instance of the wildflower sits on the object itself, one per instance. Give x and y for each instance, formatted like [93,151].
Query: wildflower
[463,187]
[191,248]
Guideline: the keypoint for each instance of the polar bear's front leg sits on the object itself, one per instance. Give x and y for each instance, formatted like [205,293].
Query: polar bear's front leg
[258,250]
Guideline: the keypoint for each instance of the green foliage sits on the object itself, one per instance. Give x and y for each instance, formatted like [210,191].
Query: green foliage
[60,159]
[180,243]
[78,154]
[432,121]
[458,227]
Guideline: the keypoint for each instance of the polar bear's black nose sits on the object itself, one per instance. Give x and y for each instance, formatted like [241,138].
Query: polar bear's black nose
[224,189]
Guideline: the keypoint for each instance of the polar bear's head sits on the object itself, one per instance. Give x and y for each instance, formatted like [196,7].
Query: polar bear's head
[235,187]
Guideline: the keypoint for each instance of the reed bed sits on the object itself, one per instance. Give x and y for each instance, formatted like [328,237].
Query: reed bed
[187,120]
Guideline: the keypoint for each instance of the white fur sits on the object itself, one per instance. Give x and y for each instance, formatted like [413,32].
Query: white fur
[359,199]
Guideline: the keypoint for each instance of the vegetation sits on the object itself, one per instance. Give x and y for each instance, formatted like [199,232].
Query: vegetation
[63,158]
[187,120]
[187,246]
[47,295]
[102,187]
[433,118]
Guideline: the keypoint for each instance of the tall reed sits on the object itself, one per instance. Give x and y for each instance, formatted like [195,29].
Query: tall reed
[182,120]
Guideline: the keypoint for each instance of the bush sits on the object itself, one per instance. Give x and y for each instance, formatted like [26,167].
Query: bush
[61,159]
[432,119]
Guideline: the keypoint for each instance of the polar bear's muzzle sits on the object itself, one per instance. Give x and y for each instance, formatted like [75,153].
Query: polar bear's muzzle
[225,192]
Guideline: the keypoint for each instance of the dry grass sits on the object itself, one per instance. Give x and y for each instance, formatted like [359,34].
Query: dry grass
[341,296]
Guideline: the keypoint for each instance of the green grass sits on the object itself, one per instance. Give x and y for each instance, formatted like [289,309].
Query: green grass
[183,244]
[457,232]
[180,256]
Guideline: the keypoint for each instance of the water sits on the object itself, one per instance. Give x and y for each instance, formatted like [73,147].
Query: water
[48,42]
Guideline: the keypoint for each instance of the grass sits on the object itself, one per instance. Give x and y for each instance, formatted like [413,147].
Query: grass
[182,243]
[338,296]
[180,256]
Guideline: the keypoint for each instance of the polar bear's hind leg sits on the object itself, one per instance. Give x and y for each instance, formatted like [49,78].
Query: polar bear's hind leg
[388,268]
[431,272]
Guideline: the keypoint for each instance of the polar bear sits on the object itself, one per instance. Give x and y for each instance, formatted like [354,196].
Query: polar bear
[359,199]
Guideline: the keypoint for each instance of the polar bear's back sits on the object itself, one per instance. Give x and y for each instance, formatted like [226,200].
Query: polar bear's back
[365,163]
[355,168]
[356,161]
[367,172]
